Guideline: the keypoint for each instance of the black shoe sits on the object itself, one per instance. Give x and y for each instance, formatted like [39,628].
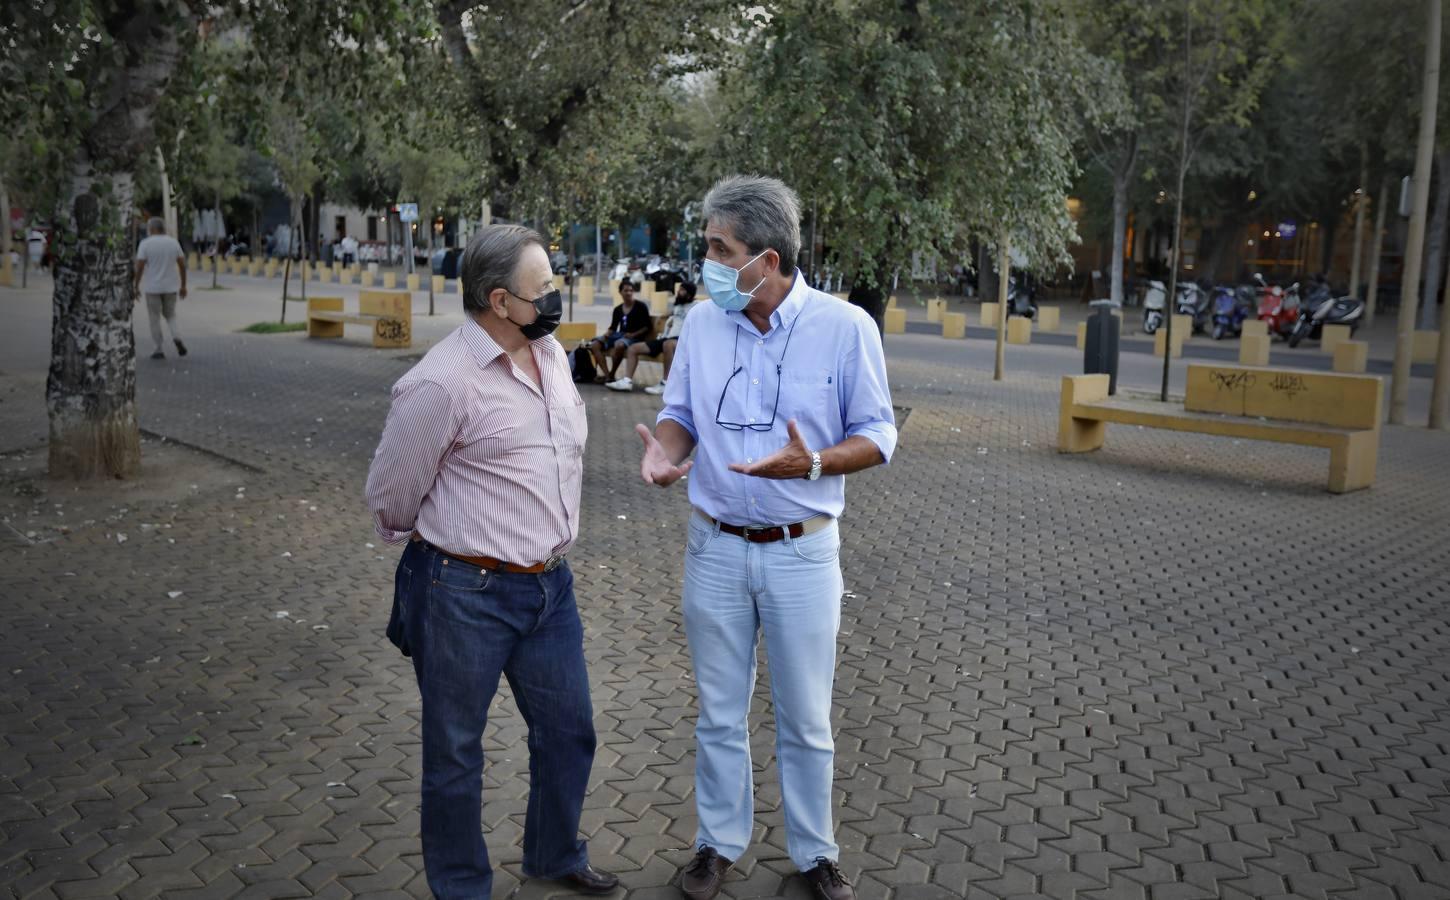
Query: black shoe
[827,882]
[180,347]
[158,355]
[703,877]
[590,880]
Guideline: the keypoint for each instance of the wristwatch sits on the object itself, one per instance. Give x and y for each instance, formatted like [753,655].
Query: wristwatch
[815,466]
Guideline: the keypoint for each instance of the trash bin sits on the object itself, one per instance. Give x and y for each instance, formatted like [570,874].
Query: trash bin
[1101,354]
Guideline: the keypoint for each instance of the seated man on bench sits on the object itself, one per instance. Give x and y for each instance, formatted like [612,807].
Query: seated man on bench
[630,323]
[662,346]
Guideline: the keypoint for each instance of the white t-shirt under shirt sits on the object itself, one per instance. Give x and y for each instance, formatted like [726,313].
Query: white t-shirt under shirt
[161,252]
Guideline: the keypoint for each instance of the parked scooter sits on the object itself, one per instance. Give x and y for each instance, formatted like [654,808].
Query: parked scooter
[1154,302]
[1194,301]
[1277,308]
[1231,306]
[1326,309]
[1021,297]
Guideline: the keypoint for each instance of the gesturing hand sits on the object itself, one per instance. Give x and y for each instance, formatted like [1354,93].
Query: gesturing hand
[791,461]
[655,467]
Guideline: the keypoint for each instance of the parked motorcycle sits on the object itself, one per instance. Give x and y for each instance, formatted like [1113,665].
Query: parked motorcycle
[1326,309]
[1194,301]
[1021,298]
[1231,306]
[1154,302]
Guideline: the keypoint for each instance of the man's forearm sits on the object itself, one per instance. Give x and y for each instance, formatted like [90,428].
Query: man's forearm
[851,455]
[676,441]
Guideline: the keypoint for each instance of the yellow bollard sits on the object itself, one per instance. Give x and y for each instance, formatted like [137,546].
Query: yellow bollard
[1254,349]
[988,315]
[896,321]
[414,281]
[1019,330]
[1351,356]
[390,280]
[1048,318]
[344,276]
[584,291]
[440,284]
[954,325]
[1160,339]
[1425,347]
[934,309]
[1331,335]
[1255,326]
[365,278]
[1082,335]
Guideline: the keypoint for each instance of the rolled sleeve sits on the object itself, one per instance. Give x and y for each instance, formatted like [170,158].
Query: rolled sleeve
[677,387]
[866,396]
[420,429]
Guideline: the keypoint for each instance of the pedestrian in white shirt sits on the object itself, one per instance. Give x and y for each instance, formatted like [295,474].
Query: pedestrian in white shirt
[161,277]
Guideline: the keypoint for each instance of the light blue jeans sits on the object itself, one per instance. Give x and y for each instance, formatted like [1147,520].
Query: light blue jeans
[790,590]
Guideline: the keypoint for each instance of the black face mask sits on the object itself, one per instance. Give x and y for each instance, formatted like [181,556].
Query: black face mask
[550,309]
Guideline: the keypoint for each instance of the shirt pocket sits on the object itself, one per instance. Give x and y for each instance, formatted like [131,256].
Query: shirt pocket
[571,426]
[808,393]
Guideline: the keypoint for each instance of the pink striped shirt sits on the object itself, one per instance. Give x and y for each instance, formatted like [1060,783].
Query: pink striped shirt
[476,459]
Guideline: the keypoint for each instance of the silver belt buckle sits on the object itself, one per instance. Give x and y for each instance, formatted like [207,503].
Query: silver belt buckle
[553,562]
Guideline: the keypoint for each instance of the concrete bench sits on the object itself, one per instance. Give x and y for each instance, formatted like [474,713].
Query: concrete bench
[1317,409]
[388,313]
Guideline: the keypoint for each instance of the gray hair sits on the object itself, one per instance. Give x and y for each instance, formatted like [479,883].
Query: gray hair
[762,213]
[155,225]
[491,261]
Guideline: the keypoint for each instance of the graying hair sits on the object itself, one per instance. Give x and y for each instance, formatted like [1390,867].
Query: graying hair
[491,261]
[762,213]
[155,225]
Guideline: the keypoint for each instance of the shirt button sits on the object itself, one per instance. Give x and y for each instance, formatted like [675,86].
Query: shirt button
[752,419]
[749,460]
[755,381]
[758,341]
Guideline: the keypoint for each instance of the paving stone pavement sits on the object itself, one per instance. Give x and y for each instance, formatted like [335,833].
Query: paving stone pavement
[1175,668]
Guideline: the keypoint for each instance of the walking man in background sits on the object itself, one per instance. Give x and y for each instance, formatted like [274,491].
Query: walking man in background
[479,473]
[780,390]
[161,277]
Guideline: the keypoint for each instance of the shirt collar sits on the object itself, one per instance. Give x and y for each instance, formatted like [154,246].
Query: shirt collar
[484,348]
[789,308]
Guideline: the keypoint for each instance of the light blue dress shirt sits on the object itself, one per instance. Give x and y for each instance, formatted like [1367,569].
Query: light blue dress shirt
[832,381]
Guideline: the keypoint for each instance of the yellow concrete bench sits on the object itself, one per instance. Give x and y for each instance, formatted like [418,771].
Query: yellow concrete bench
[576,331]
[388,313]
[1316,409]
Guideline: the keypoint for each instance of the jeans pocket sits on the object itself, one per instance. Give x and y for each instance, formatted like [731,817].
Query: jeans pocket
[397,630]
[822,547]
[699,536]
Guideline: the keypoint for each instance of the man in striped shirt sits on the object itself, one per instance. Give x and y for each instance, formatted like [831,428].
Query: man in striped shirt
[479,473]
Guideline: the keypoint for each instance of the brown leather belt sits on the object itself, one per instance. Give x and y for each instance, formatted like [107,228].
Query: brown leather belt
[769,534]
[498,565]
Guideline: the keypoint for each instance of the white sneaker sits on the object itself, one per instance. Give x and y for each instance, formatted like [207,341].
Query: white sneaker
[623,384]
[655,389]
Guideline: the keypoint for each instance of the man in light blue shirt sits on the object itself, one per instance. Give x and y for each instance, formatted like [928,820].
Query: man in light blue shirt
[780,391]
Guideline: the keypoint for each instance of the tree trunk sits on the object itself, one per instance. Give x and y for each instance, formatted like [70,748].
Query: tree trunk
[1361,196]
[7,271]
[1435,251]
[90,393]
[1004,269]
[986,275]
[1122,180]
[292,227]
[1410,286]
[168,209]
[1372,289]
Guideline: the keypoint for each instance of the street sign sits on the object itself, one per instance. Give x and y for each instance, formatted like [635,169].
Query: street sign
[408,212]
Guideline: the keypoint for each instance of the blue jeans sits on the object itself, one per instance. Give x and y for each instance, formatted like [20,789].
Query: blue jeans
[791,591]
[464,627]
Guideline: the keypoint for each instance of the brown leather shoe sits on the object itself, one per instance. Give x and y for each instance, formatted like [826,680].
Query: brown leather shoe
[827,882]
[703,877]
[590,880]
